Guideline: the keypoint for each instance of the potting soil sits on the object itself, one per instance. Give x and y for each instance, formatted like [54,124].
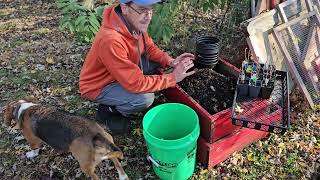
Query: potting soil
[212,90]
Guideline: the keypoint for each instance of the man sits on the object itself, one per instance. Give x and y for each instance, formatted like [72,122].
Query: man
[118,70]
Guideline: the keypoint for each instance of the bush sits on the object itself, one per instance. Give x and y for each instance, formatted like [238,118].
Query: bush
[84,20]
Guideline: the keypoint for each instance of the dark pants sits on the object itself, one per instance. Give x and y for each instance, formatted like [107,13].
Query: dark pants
[126,102]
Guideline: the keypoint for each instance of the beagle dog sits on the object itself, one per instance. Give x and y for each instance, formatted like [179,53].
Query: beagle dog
[88,142]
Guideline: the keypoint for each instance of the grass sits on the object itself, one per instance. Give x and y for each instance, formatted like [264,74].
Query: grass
[41,31]
[3,72]
[6,12]
[24,9]
[7,26]
[17,43]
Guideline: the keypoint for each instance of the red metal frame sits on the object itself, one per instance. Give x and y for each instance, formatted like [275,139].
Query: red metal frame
[218,137]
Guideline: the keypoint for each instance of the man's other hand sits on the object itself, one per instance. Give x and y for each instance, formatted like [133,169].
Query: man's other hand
[175,62]
[180,70]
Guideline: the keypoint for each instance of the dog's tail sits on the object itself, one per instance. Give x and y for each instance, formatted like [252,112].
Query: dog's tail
[8,114]
[101,142]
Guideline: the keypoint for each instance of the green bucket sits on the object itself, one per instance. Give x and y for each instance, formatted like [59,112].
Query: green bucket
[171,131]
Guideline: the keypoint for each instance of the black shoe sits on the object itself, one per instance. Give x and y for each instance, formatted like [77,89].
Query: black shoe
[115,121]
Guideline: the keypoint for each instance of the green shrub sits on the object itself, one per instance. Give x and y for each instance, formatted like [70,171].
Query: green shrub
[83,21]
[165,20]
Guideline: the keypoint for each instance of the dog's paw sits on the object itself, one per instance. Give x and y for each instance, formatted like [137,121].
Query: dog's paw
[123,177]
[33,153]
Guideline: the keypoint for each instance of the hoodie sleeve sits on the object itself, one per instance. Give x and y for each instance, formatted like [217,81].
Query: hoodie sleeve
[114,56]
[155,54]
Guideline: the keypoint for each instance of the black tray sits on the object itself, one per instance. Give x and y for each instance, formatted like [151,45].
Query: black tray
[271,115]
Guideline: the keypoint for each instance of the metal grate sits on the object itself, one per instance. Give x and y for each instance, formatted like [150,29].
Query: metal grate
[316,4]
[301,43]
[271,115]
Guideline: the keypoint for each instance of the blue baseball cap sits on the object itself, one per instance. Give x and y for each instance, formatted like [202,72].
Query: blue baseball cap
[142,2]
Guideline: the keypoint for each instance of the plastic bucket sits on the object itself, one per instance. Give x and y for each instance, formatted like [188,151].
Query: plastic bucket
[171,131]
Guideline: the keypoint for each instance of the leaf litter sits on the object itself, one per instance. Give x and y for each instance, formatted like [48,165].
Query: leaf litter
[40,62]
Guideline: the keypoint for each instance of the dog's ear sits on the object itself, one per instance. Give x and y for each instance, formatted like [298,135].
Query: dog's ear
[8,114]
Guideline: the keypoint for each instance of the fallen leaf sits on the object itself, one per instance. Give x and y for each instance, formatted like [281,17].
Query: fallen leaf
[238,109]
[251,157]
[204,171]
[137,131]
[50,60]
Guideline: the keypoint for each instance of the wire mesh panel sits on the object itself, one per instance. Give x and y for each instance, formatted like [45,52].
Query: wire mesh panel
[270,114]
[317,4]
[299,40]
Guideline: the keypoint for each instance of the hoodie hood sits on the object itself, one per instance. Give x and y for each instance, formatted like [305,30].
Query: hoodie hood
[111,20]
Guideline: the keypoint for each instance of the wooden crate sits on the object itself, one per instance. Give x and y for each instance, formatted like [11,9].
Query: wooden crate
[213,126]
[211,154]
[218,137]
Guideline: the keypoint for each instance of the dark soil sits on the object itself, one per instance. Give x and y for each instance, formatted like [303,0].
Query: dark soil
[212,90]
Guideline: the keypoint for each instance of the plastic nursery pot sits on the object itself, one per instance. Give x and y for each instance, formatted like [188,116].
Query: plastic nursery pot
[242,87]
[204,56]
[207,61]
[201,65]
[267,90]
[254,89]
[208,49]
[210,60]
[208,40]
[207,45]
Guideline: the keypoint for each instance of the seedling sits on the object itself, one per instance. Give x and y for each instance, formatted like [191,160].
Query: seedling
[253,77]
[242,77]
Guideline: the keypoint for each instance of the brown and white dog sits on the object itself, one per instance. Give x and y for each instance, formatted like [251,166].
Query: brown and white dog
[88,142]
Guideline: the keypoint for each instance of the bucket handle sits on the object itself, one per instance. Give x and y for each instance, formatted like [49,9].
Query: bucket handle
[153,161]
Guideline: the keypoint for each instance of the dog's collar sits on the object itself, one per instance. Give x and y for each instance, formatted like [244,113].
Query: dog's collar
[21,108]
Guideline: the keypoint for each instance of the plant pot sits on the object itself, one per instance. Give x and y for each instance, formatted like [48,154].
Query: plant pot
[207,63]
[205,56]
[242,88]
[207,60]
[207,45]
[254,90]
[208,40]
[266,92]
[206,53]
[200,65]
[208,50]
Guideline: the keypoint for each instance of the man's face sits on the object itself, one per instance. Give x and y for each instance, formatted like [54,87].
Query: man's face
[139,17]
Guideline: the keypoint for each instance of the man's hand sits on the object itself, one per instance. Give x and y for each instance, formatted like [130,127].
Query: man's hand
[180,70]
[175,62]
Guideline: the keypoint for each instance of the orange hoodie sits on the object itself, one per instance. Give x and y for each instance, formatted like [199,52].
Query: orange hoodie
[114,57]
